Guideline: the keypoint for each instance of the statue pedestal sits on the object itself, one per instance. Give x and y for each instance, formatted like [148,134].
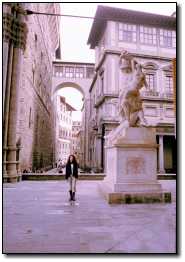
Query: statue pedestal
[131,161]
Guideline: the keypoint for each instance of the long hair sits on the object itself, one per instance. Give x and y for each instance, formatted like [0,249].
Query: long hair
[74,160]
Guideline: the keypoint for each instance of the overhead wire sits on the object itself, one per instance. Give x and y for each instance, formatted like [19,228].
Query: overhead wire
[29,12]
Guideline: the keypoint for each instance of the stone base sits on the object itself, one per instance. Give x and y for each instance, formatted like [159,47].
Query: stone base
[131,165]
[134,197]
[12,179]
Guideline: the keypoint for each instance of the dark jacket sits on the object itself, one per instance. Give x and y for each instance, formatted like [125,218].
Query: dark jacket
[68,170]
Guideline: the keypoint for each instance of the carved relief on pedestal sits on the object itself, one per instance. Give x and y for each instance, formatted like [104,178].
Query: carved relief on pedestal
[135,166]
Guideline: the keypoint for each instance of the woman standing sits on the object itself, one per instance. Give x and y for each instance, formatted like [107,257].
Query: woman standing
[72,175]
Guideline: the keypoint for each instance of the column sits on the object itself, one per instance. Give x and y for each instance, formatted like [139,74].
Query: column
[6,45]
[161,155]
[12,123]
[6,107]
[5,66]
[98,153]
[107,131]
[11,86]
[7,75]
[86,132]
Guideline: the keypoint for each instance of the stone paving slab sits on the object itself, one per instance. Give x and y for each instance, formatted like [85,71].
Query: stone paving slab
[38,218]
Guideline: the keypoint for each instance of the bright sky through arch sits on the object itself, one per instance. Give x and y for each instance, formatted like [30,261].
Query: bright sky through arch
[74,98]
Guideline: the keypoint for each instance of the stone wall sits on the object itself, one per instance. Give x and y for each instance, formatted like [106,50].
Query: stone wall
[35,117]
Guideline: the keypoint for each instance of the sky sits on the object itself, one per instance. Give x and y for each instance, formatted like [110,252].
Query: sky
[75,32]
[74,98]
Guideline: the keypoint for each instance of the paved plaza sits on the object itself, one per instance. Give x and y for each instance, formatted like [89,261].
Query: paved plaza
[38,218]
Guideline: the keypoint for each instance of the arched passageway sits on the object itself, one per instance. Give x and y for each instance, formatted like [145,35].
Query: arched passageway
[69,122]
[78,76]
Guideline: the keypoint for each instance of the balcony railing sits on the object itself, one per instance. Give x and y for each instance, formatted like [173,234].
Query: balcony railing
[150,93]
[157,94]
[168,95]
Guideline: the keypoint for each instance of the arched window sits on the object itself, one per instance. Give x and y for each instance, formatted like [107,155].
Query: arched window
[150,70]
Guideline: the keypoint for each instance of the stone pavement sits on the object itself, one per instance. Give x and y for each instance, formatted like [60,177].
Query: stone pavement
[38,218]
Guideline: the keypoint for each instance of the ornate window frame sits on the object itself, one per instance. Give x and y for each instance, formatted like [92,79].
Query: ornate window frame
[168,73]
[151,68]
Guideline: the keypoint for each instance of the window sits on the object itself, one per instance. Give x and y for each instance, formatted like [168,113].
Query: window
[127,32]
[79,72]
[58,71]
[93,100]
[90,72]
[102,84]
[147,35]
[35,37]
[60,133]
[69,71]
[150,79]
[169,84]
[30,117]
[33,75]
[167,38]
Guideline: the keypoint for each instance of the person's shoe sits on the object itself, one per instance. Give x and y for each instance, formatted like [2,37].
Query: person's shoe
[73,197]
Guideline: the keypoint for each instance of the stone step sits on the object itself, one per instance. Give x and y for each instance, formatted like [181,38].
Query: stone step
[166,176]
[46,176]
[57,176]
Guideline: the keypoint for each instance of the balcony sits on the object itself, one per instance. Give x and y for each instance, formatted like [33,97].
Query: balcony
[168,95]
[156,94]
[150,93]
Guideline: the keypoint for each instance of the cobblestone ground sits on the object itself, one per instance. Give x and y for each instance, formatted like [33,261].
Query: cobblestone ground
[38,218]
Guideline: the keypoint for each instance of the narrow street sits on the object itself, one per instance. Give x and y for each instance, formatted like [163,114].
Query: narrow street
[38,218]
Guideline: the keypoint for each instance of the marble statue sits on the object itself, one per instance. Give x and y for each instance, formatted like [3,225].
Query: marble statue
[130,101]
[130,107]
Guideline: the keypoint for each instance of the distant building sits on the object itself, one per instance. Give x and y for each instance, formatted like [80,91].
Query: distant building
[76,145]
[151,39]
[63,128]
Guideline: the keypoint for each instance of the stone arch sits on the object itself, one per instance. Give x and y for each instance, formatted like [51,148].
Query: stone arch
[69,84]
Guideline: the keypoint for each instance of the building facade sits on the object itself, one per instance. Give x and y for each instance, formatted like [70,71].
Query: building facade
[151,39]
[63,129]
[76,144]
[34,120]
